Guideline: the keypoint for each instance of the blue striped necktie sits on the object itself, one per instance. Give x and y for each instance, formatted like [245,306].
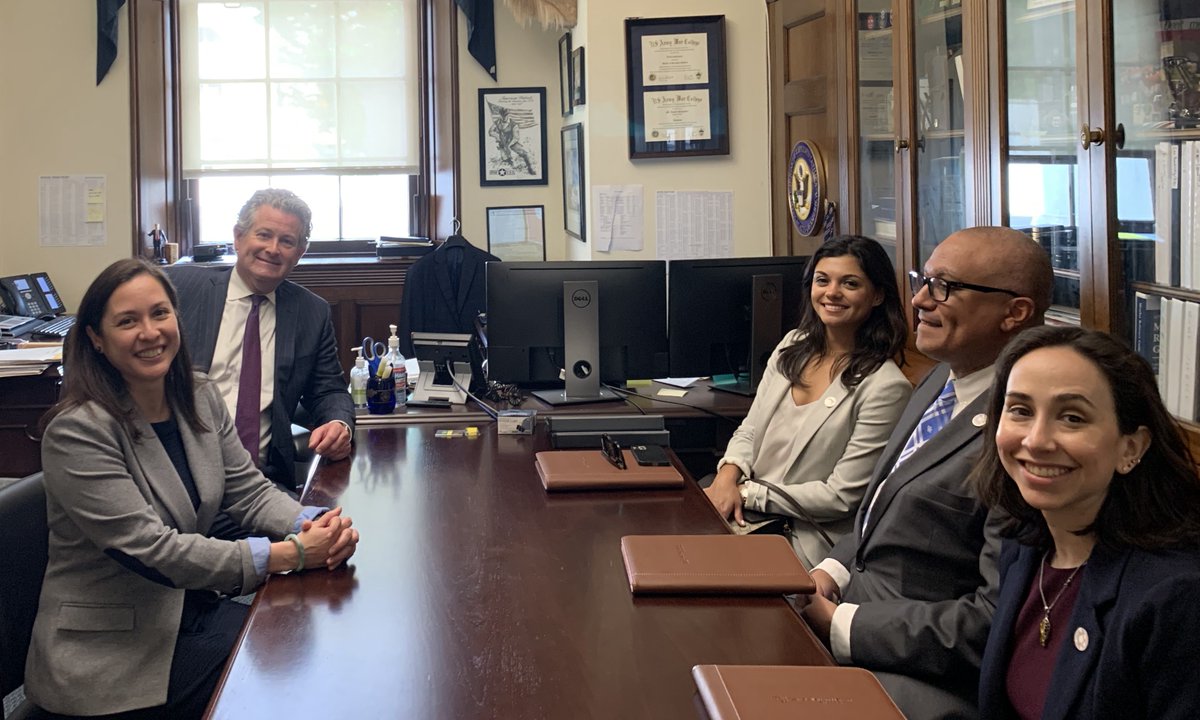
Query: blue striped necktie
[935,418]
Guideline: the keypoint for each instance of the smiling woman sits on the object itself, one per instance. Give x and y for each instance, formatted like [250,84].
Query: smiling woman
[1102,559]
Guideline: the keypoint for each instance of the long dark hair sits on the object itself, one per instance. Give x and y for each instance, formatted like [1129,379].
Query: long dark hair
[880,337]
[1155,505]
[88,376]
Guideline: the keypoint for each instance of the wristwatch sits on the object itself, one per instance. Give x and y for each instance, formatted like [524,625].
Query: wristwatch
[744,491]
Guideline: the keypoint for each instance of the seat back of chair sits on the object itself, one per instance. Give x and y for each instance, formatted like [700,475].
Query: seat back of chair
[24,535]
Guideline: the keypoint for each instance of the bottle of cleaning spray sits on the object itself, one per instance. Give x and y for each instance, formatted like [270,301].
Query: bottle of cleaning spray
[398,370]
[358,380]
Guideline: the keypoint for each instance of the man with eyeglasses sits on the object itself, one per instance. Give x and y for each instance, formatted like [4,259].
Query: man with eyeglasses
[909,594]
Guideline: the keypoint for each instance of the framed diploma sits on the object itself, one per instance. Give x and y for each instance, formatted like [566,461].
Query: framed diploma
[517,233]
[677,86]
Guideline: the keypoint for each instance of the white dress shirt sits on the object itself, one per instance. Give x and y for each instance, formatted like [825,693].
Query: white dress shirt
[226,369]
[966,390]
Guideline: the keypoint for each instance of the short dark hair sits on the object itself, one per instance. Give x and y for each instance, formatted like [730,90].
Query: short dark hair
[881,336]
[280,199]
[88,375]
[1155,505]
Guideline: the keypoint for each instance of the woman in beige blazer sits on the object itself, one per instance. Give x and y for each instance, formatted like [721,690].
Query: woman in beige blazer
[139,456]
[828,400]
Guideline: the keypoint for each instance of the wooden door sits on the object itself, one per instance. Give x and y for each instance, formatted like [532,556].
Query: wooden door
[807,103]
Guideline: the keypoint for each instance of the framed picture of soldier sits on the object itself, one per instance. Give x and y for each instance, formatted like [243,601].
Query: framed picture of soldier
[512,136]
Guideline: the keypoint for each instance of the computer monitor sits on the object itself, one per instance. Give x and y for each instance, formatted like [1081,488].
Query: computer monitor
[575,325]
[726,316]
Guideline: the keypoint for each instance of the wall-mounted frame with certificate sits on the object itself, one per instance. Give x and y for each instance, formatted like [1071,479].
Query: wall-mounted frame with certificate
[512,136]
[574,198]
[677,86]
[517,234]
[566,84]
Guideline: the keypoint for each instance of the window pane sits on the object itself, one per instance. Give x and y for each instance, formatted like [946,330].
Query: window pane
[374,205]
[303,40]
[304,123]
[368,129]
[220,199]
[235,123]
[375,39]
[321,194]
[231,41]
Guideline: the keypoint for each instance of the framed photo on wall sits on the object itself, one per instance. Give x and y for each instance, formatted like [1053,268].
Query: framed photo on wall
[578,88]
[517,233]
[565,80]
[677,86]
[574,198]
[512,136]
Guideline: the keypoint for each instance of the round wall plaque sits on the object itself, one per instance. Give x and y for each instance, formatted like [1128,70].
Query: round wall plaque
[806,188]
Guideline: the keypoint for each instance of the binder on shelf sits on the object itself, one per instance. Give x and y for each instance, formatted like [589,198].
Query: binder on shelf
[1187,371]
[1187,191]
[1166,213]
[1147,316]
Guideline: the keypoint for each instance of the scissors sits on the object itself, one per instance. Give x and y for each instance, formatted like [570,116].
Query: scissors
[373,352]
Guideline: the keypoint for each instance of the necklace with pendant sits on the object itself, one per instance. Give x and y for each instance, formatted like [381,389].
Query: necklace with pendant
[1044,625]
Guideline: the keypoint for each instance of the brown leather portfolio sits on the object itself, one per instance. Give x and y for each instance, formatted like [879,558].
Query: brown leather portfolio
[713,565]
[590,470]
[775,692]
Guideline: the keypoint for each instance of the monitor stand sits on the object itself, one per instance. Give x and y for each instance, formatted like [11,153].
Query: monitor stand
[581,348]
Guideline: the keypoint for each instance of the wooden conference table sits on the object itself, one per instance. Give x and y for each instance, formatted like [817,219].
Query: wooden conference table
[475,594]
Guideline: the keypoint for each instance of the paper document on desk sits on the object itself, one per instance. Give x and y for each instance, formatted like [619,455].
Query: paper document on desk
[678,382]
[27,356]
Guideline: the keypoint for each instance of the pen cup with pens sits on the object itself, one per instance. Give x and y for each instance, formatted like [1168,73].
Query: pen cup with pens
[381,383]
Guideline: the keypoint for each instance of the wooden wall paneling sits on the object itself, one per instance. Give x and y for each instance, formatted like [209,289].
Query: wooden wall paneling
[153,121]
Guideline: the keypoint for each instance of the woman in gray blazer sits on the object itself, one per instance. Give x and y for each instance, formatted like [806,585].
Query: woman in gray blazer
[139,456]
[828,400]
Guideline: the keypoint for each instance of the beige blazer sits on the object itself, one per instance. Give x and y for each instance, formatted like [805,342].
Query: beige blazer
[104,634]
[838,445]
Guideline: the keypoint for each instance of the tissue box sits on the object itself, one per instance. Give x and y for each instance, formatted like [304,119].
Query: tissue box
[515,422]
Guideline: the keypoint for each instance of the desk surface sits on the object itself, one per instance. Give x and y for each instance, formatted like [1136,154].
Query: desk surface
[474,594]
[699,400]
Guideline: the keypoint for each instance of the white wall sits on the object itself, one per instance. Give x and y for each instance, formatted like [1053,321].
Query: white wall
[54,120]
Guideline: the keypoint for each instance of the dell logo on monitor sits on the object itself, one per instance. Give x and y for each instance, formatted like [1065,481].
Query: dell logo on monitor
[581,298]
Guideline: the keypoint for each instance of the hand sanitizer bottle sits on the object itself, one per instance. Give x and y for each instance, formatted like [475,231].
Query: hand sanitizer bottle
[358,380]
[398,370]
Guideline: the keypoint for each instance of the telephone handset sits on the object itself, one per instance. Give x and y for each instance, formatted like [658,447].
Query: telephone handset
[30,295]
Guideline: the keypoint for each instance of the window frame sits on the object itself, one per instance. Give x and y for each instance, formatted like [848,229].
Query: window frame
[161,195]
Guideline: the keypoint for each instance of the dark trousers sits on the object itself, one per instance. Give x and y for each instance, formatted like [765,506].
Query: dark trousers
[208,630]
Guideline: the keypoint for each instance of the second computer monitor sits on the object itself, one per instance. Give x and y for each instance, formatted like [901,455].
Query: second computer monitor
[726,316]
[576,325]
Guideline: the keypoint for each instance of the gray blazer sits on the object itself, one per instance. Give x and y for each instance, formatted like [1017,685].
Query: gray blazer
[104,633]
[837,445]
[307,370]
[924,569]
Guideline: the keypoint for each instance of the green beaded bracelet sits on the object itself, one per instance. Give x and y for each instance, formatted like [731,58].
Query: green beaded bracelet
[299,550]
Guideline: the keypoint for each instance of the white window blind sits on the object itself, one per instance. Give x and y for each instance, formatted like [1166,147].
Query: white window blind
[296,86]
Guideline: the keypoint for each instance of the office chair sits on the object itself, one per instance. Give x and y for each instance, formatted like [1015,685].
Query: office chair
[22,528]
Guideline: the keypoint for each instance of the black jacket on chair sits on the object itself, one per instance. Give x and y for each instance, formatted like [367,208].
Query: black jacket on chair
[444,291]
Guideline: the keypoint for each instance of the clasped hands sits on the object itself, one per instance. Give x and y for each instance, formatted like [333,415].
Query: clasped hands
[329,540]
[818,608]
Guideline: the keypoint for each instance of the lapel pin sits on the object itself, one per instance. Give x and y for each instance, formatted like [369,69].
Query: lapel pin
[830,401]
[1081,639]
[979,420]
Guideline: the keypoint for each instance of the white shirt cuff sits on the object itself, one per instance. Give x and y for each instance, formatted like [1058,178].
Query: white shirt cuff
[836,571]
[839,633]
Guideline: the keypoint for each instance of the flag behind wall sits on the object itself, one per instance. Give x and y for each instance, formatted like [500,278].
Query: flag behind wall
[106,35]
[481,32]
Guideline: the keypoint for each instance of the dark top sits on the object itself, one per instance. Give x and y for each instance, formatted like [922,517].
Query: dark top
[1031,665]
[168,434]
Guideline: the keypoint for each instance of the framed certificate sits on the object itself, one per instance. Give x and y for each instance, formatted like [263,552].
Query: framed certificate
[677,86]
[517,233]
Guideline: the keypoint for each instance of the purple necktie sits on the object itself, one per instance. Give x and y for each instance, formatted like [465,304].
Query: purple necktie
[250,384]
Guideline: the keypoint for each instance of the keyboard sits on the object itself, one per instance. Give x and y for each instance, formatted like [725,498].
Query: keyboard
[56,329]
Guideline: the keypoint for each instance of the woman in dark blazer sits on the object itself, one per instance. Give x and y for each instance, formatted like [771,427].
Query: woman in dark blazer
[1099,578]
[827,403]
[139,456]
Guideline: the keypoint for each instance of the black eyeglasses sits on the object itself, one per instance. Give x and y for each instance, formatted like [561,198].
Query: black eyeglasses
[939,289]
[612,451]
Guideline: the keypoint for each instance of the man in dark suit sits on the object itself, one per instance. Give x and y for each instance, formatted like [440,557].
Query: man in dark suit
[252,330]
[910,593]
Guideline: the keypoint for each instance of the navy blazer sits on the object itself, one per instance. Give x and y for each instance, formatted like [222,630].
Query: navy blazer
[307,370]
[444,293]
[1138,610]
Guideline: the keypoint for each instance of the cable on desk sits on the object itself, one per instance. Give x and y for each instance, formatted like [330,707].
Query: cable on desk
[486,408]
[706,411]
